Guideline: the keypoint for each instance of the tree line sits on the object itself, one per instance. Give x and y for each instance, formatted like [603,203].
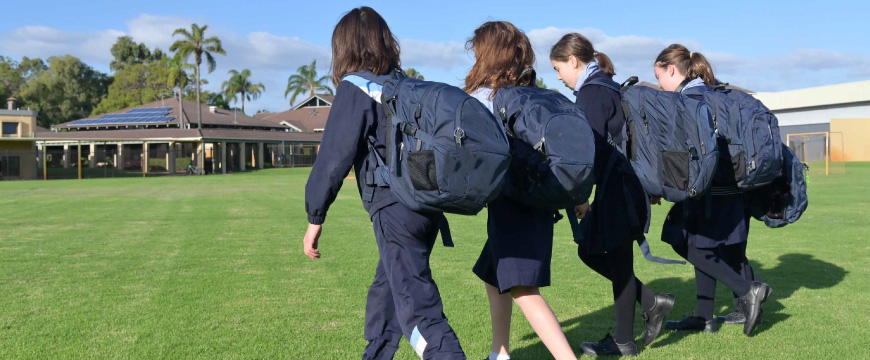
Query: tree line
[64,88]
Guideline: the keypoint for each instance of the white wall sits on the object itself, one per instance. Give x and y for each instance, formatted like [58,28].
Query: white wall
[822,114]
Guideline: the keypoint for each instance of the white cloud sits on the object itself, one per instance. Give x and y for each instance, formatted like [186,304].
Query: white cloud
[634,55]
[44,42]
[272,57]
[443,55]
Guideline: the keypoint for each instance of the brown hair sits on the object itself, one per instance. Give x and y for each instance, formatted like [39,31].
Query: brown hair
[502,52]
[579,46]
[362,41]
[692,64]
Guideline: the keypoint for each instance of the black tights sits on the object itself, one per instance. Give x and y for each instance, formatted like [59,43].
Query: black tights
[617,265]
[727,264]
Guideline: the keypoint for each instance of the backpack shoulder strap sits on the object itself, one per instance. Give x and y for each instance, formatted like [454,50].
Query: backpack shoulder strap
[610,84]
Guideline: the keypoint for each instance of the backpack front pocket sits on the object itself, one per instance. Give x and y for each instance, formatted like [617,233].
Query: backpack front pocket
[675,169]
[421,168]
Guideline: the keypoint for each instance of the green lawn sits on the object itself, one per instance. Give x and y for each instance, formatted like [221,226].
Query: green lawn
[212,267]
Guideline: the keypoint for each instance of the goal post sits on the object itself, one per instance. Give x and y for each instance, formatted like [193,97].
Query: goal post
[822,151]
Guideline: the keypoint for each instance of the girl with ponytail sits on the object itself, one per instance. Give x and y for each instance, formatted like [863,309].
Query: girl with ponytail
[619,215]
[715,227]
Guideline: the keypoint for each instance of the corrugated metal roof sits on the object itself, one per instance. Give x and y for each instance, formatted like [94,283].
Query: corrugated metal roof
[853,92]
[220,117]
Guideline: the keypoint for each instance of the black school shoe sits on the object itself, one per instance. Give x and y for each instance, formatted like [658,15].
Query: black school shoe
[654,318]
[735,317]
[751,305]
[693,323]
[609,347]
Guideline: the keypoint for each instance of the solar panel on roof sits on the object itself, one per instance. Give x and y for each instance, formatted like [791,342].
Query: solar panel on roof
[155,115]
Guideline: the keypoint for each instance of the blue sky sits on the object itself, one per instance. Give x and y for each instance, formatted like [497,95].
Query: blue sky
[760,45]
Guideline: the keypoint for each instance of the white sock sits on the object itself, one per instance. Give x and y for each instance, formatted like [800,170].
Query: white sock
[496,356]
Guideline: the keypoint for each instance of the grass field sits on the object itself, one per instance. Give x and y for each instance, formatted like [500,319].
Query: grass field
[212,267]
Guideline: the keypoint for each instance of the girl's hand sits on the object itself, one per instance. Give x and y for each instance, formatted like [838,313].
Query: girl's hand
[655,200]
[582,210]
[310,241]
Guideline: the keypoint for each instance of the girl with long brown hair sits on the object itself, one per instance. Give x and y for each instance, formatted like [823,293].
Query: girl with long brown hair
[403,299]
[617,217]
[515,261]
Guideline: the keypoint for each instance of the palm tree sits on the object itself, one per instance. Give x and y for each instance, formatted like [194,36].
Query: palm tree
[217,99]
[195,43]
[178,78]
[306,79]
[413,74]
[240,83]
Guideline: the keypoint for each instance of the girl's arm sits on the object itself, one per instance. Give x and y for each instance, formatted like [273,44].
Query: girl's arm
[338,148]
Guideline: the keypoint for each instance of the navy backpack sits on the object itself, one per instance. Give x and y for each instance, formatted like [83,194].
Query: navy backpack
[552,148]
[784,200]
[669,140]
[752,134]
[446,152]
[621,144]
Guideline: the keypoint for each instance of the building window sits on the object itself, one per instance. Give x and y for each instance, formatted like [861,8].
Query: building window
[10,166]
[10,129]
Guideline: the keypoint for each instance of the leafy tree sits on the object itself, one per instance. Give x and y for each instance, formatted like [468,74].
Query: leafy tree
[137,84]
[540,83]
[13,74]
[306,79]
[412,73]
[240,83]
[67,90]
[128,52]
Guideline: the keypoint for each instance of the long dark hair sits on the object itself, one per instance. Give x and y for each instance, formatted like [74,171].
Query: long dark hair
[692,64]
[579,46]
[502,53]
[362,41]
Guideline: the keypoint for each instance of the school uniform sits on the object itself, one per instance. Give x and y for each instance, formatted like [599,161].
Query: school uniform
[403,300]
[619,214]
[620,210]
[711,232]
[519,242]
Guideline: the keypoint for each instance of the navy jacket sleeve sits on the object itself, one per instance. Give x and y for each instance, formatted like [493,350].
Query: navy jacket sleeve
[341,143]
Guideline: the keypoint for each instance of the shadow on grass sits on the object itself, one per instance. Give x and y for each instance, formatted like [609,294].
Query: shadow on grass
[793,272]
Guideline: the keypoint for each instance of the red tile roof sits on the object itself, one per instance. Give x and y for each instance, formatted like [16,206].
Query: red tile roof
[306,119]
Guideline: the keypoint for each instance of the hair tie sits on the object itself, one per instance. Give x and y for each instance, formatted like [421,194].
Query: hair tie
[595,53]
[691,54]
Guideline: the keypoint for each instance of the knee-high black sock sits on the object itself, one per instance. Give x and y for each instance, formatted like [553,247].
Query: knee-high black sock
[735,257]
[706,285]
[645,297]
[621,263]
[711,263]
[599,264]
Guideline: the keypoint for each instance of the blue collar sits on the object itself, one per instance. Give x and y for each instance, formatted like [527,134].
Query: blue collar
[694,83]
[591,69]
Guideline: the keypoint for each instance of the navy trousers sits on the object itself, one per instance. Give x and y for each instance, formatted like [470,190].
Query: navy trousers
[403,298]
